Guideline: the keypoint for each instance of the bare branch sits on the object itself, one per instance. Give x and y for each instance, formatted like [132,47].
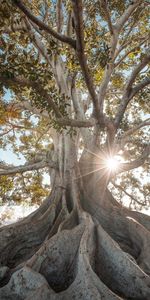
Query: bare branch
[46,11]
[12,170]
[124,18]
[136,71]
[43,26]
[69,28]
[129,51]
[78,19]
[129,195]
[59,15]
[124,167]
[76,123]
[129,92]
[125,138]
[126,40]
[5,132]
[140,86]
[104,84]
[135,128]
[104,5]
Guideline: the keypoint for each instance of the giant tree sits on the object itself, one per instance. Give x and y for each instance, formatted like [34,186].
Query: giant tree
[77,72]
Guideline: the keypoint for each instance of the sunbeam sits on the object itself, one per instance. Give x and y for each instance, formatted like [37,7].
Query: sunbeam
[112,163]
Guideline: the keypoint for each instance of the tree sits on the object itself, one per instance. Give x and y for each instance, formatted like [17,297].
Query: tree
[78,76]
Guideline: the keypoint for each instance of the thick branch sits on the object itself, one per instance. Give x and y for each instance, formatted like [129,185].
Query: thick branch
[59,15]
[76,123]
[104,5]
[43,26]
[136,71]
[135,128]
[140,86]
[124,167]
[124,18]
[129,195]
[78,19]
[125,138]
[129,51]
[129,92]
[11,170]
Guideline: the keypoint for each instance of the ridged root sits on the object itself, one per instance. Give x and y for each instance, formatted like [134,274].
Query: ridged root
[83,254]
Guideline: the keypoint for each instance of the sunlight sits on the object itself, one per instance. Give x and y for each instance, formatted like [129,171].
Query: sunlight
[112,163]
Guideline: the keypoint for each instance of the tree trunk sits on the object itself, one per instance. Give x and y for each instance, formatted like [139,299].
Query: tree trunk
[80,244]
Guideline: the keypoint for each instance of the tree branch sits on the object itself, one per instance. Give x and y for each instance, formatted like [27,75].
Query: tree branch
[129,92]
[59,119]
[136,71]
[76,123]
[128,52]
[124,167]
[129,195]
[59,15]
[104,5]
[11,170]
[5,132]
[122,20]
[125,138]
[140,86]
[43,26]
[36,86]
[78,19]
[137,127]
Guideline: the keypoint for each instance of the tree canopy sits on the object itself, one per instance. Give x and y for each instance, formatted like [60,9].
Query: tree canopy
[78,66]
[74,87]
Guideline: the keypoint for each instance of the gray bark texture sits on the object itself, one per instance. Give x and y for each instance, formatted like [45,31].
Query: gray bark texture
[80,244]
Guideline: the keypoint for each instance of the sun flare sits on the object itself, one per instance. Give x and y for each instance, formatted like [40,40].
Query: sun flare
[112,163]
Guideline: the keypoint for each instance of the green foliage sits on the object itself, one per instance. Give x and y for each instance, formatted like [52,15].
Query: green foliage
[30,133]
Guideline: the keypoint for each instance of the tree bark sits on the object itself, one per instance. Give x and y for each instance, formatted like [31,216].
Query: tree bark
[81,243]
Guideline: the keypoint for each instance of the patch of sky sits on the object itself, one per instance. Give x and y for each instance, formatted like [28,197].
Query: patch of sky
[8,95]
[10,157]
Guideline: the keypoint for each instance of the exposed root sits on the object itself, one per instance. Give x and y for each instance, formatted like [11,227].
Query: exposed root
[118,271]
[88,253]
[21,284]
[20,240]
[56,259]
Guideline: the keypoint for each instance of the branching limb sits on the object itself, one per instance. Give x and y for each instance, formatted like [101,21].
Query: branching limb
[124,167]
[105,7]
[43,26]
[130,92]
[135,128]
[76,123]
[80,50]
[46,11]
[125,192]
[12,170]
[140,86]
[120,23]
[37,87]
[128,52]
[126,137]
[136,71]
[59,15]
[5,132]
[124,18]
